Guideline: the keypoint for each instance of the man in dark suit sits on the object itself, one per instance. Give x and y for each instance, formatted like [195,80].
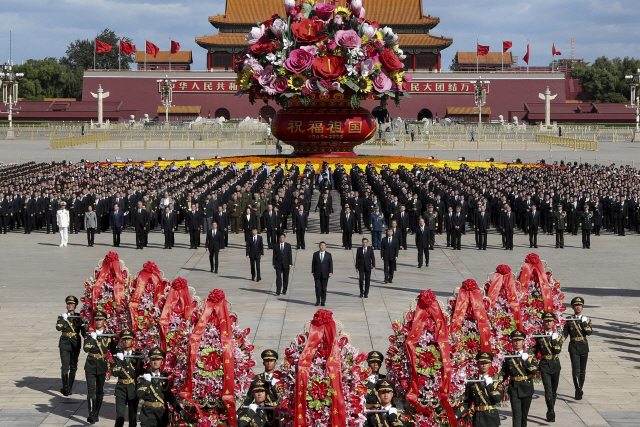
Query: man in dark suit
[78,214]
[116,221]
[448,225]
[223,220]
[365,262]
[534,225]
[415,210]
[402,219]
[215,242]
[326,209]
[249,222]
[508,225]
[458,221]
[255,251]
[282,263]
[196,220]
[481,224]
[389,251]
[347,227]
[168,224]
[423,241]
[272,224]
[357,204]
[140,222]
[300,221]
[322,269]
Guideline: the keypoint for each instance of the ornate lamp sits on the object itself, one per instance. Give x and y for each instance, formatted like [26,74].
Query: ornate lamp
[634,85]
[166,96]
[480,97]
[10,81]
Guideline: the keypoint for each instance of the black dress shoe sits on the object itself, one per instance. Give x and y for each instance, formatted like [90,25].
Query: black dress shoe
[385,281]
[277,293]
[362,296]
[323,303]
[535,246]
[427,265]
[259,278]
[419,266]
[317,304]
[284,292]
[366,296]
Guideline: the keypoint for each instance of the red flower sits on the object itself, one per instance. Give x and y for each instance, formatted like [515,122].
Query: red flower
[395,326]
[410,316]
[269,22]
[361,357]
[343,341]
[532,258]
[179,283]
[427,297]
[307,31]
[503,269]
[216,296]
[150,267]
[329,67]
[319,390]
[472,346]
[390,61]
[470,285]
[212,361]
[322,317]
[427,359]
[111,256]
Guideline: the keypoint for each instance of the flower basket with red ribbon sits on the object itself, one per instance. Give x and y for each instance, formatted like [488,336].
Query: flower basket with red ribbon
[419,363]
[323,378]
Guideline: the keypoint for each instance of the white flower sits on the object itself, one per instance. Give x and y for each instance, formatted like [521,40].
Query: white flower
[286,44]
[356,6]
[386,31]
[289,5]
[367,67]
[271,57]
[255,34]
[279,27]
[368,30]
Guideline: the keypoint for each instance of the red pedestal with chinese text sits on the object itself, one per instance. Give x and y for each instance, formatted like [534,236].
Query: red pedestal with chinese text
[327,127]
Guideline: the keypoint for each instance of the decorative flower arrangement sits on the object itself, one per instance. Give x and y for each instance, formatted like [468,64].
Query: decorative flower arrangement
[320,393]
[322,47]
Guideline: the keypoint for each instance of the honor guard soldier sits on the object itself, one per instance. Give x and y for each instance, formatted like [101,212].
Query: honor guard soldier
[252,416]
[96,366]
[484,395]
[70,324]
[374,359]
[560,224]
[586,222]
[155,391]
[431,219]
[392,418]
[519,371]
[578,330]
[126,368]
[269,359]
[549,347]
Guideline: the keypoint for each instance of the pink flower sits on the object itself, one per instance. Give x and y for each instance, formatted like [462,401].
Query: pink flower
[356,7]
[267,77]
[255,34]
[407,77]
[337,19]
[312,49]
[289,5]
[299,60]
[332,43]
[368,30]
[324,10]
[312,84]
[279,26]
[348,38]
[281,85]
[379,44]
[382,83]
[335,86]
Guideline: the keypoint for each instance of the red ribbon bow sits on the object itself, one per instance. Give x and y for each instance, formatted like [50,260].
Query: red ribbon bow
[428,307]
[110,263]
[216,307]
[504,278]
[322,331]
[149,274]
[178,301]
[470,294]
[533,269]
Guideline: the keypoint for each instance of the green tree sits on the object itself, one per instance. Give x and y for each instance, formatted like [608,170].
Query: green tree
[79,54]
[46,78]
[605,78]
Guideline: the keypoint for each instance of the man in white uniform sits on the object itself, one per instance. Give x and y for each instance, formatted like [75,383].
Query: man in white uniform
[62,218]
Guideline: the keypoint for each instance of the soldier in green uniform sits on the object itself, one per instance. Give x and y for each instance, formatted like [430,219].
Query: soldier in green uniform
[392,418]
[578,330]
[519,371]
[549,347]
[431,218]
[484,396]
[156,393]
[376,223]
[374,359]
[251,415]
[96,366]
[269,359]
[126,369]
[560,224]
[69,344]
[586,222]
[235,207]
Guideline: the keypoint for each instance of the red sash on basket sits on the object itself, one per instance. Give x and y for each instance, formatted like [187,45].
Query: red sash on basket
[111,262]
[533,267]
[179,302]
[503,278]
[216,306]
[149,274]
[470,294]
[428,307]
[322,331]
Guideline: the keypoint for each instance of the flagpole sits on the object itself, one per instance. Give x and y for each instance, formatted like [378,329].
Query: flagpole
[503,55]
[145,54]
[170,49]
[94,54]
[477,56]
[119,52]
[529,58]
[552,59]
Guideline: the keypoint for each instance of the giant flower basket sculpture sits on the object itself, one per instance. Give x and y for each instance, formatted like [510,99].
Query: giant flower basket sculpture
[108,290]
[419,362]
[322,378]
[218,365]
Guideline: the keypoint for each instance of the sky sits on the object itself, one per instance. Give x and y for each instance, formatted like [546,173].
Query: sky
[44,28]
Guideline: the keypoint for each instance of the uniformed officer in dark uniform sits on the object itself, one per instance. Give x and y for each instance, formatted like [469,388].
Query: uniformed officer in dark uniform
[156,393]
[126,368]
[69,344]
[560,224]
[392,418]
[269,359]
[586,222]
[96,365]
[374,359]
[519,371]
[431,218]
[252,416]
[484,396]
[549,347]
[578,330]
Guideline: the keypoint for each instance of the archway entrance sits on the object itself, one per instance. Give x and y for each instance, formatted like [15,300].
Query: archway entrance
[425,114]
[381,114]
[267,112]
[222,112]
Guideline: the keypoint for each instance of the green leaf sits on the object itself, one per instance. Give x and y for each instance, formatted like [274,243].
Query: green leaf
[352,85]
[307,9]
[355,100]
[406,95]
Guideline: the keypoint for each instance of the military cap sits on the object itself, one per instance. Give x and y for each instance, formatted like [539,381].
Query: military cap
[156,353]
[429,206]
[518,335]
[269,355]
[548,316]
[126,334]
[63,203]
[484,356]
[385,385]
[71,300]
[375,356]
[99,315]
[258,385]
[577,301]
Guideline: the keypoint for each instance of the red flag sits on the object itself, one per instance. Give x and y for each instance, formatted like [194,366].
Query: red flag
[102,47]
[175,47]
[152,49]
[554,51]
[506,46]
[127,48]
[482,50]
[526,57]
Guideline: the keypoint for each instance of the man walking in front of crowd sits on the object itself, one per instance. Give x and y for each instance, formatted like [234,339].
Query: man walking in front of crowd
[90,224]
[300,220]
[481,224]
[578,328]
[322,270]
[347,227]
[458,224]
[423,240]
[534,226]
[196,219]
[586,222]
[431,220]
[365,262]
[389,251]
[214,243]
[63,220]
[508,225]
[326,209]
[255,252]
[282,261]
[168,223]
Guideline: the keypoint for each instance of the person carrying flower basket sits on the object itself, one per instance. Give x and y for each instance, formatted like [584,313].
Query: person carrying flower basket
[155,390]
[482,396]
[126,368]
[70,342]
[549,348]
[270,378]
[394,417]
[374,360]
[519,372]
[252,415]
[578,327]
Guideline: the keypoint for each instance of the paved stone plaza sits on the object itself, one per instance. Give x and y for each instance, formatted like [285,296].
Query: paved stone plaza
[37,275]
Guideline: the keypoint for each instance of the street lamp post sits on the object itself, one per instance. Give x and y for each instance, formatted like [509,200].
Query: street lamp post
[480,95]
[634,85]
[166,95]
[10,93]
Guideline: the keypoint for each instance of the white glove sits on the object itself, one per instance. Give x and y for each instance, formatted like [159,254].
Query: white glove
[120,356]
[393,411]
[554,336]
[525,356]
[253,407]
[94,335]
[147,377]
[488,380]
[274,381]
[372,379]
[585,319]
[64,316]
